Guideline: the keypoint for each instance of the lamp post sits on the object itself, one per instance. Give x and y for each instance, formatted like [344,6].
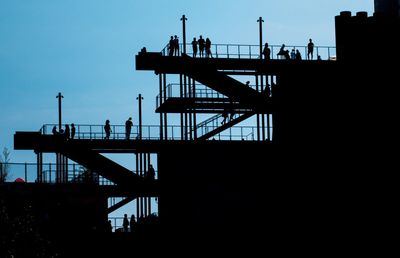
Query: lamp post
[59,97]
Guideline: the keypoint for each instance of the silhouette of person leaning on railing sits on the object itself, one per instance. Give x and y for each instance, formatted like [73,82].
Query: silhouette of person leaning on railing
[282,52]
[128,128]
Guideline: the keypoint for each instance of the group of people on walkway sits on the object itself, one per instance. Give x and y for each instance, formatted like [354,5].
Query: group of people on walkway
[68,132]
[201,46]
[293,55]
[128,129]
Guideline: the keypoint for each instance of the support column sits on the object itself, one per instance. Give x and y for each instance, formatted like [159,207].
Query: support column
[39,176]
[160,78]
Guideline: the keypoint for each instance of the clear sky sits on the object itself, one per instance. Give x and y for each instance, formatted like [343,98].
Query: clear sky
[85,49]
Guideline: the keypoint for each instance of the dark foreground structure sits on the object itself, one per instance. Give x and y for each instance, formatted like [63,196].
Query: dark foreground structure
[305,180]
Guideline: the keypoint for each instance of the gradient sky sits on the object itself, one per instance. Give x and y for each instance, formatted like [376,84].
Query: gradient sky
[85,49]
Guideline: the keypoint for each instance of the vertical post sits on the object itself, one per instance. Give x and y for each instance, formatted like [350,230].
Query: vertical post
[184,19]
[260,21]
[148,198]
[161,101]
[140,115]
[258,115]
[26,173]
[181,96]
[39,167]
[59,97]
[194,111]
[137,199]
[59,160]
[141,175]
[165,114]
[185,93]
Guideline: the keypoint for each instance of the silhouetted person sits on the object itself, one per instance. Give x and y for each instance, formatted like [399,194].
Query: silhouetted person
[208,48]
[286,55]
[298,55]
[319,57]
[107,129]
[132,223]
[266,52]
[194,46]
[72,131]
[176,45]
[310,49]
[281,52]
[171,46]
[67,132]
[125,223]
[202,44]
[151,173]
[293,54]
[267,90]
[54,130]
[225,116]
[109,226]
[128,128]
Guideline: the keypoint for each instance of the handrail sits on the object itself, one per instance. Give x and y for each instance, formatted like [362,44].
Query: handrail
[76,173]
[247,51]
[172,90]
[150,132]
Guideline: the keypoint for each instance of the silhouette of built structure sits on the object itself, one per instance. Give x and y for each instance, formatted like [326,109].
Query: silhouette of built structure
[301,178]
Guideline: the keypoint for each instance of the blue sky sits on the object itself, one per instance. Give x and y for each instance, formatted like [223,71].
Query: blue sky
[85,49]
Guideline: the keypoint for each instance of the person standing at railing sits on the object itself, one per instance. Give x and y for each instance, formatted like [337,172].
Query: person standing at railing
[54,130]
[67,132]
[208,48]
[293,54]
[72,131]
[201,43]
[310,49]
[109,226]
[132,223]
[176,46]
[125,223]
[171,47]
[194,46]
[266,52]
[151,174]
[298,55]
[281,53]
[107,129]
[128,128]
